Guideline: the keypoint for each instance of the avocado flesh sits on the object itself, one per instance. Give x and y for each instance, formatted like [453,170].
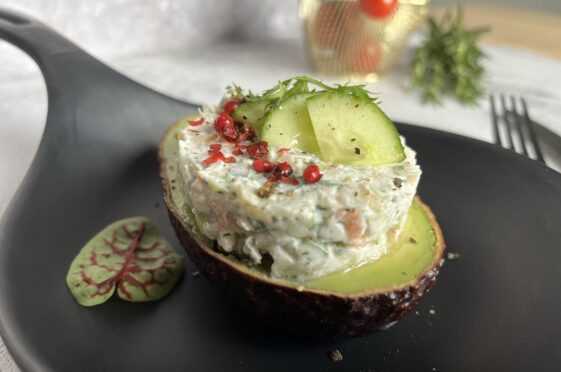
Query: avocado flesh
[405,261]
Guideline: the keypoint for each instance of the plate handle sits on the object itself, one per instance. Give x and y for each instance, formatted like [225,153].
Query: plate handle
[36,39]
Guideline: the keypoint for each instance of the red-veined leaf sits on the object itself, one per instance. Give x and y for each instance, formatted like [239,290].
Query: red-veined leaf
[130,257]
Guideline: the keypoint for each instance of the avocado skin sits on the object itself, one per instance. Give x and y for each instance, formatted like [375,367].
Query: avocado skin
[307,312]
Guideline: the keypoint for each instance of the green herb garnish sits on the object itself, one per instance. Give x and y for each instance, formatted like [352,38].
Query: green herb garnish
[297,85]
[449,61]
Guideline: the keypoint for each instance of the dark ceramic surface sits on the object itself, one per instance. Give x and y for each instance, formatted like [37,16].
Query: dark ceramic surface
[496,307]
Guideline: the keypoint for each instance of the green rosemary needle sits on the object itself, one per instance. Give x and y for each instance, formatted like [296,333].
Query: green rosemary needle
[449,61]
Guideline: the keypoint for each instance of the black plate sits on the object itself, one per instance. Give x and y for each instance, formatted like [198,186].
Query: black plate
[495,308]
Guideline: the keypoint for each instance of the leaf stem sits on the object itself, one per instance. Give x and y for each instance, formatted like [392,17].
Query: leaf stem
[131,249]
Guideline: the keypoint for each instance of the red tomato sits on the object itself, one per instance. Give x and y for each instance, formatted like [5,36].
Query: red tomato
[327,25]
[364,57]
[378,9]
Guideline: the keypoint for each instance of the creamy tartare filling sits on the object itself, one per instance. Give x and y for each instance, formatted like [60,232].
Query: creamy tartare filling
[302,231]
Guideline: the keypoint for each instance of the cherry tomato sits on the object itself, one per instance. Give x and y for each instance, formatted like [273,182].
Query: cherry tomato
[378,9]
[363,57]
[327,25]
[312,174]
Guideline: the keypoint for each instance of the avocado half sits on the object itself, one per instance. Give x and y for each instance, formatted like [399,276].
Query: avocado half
[347,304]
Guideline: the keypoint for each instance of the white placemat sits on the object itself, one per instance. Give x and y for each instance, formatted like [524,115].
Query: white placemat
[200,75]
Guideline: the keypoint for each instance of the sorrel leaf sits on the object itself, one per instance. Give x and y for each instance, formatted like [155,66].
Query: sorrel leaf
[130,257]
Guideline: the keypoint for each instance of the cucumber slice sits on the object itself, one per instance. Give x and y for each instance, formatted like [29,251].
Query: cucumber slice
[353,130]
[251,113]
[289,125]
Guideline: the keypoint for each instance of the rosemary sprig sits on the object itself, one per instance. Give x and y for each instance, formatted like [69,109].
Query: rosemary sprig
[449,61]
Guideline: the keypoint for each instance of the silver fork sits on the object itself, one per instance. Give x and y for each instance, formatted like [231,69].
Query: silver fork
[512,128]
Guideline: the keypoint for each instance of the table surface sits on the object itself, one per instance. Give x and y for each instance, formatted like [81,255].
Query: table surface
[514,27]
[518,36]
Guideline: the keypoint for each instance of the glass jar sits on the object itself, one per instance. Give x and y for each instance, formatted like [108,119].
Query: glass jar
[346,42]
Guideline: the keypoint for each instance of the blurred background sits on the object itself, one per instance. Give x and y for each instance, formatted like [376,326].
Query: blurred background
[192,49]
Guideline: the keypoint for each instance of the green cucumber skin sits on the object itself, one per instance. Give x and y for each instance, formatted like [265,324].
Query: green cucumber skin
[289,125]
[352,130]
[251,113]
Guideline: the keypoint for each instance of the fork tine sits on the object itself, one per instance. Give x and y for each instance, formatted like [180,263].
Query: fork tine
[508,127]
[517,126]
[494,120]
[528,124]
